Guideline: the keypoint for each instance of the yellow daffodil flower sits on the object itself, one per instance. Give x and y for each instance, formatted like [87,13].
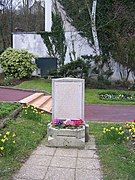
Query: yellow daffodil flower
[3,140]
[14,135]
[1,148]
[14,142]
[7,133]
[121,133]
[120,128]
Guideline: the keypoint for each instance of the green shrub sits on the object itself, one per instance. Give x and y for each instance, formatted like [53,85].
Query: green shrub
[17,63]
[78,69]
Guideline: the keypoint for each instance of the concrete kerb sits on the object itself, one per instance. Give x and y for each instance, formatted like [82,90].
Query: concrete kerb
[21,89]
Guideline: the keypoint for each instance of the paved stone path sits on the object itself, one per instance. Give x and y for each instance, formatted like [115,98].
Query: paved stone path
[93,112]
[47,163]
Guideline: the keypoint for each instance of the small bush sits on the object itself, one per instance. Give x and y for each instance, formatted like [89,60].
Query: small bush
[76,69]
[17,63]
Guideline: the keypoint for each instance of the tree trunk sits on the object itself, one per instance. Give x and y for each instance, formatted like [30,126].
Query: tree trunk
[94,31]
[93,26]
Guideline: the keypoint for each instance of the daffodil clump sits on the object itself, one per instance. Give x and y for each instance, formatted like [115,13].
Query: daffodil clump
[7,143]
[122,133]
[130,130]
[33,113]
[115,133]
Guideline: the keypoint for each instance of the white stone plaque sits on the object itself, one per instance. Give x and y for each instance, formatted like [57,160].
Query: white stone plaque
[68,98]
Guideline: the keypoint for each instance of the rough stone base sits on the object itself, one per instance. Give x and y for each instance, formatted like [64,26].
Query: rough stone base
[66,137]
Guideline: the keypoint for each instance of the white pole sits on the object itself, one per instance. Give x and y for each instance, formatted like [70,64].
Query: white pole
[48,15]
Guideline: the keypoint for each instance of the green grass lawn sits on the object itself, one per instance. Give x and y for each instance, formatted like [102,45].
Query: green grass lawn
[7,108]
[37,84]
[29,134]
[117,160]
[91,95]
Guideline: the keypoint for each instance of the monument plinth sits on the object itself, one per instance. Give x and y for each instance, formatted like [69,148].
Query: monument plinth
[67,103]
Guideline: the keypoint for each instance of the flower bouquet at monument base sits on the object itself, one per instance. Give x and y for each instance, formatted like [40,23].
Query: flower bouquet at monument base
[67,124]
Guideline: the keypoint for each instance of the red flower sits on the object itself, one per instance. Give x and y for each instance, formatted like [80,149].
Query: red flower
[134,121]
[78,122]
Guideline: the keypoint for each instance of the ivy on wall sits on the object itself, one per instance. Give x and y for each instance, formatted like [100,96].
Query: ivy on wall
[55,40]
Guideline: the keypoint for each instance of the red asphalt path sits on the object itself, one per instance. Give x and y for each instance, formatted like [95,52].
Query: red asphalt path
[13,95]
[109,113]
[93,112]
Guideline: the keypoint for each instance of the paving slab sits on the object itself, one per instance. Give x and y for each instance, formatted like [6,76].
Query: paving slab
[55,173]
[91,144]
[66,152]
[44,150]
[88,163]
[66,162]
[31,172]
[39,160]
[87,154]
[86,174]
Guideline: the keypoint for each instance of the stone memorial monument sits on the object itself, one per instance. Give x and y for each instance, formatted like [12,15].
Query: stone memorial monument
[67,103]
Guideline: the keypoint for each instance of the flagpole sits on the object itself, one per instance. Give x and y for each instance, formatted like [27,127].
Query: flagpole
[48,15]
[11,23]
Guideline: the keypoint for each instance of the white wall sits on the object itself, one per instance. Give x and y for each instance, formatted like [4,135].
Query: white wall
[34,43]
[30,41]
